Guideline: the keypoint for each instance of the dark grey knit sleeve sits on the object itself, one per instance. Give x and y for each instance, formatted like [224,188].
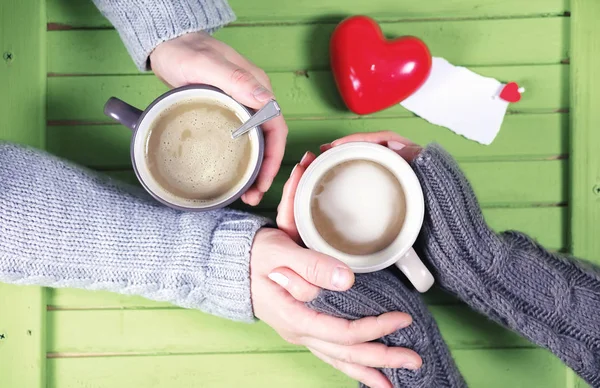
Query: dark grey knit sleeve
[551,300]
[144,24]
[380,292]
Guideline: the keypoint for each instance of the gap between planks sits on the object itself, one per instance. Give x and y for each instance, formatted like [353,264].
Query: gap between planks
[253,352]
[381,20]
[306,73]
[154,354]
[63,123]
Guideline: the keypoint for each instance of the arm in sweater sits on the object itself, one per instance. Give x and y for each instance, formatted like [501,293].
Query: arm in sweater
[143,24]
[551,300]
[62,226]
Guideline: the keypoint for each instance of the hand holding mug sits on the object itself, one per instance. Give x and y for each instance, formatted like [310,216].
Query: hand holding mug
[197,58]
[284,275]
[360,203]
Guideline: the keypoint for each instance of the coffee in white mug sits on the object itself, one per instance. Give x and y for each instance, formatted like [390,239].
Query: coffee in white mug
[362,204]
[358,207]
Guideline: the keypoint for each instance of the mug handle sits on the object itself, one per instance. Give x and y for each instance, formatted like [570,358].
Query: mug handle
[122,112]
[413,268]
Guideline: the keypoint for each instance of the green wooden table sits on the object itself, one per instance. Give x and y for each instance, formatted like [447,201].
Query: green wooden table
[61,60]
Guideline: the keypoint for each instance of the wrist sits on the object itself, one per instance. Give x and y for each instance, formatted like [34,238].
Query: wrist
[143,28]
[454,225]
[228,270]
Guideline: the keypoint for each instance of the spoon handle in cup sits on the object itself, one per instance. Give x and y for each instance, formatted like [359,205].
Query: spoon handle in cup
[266,113]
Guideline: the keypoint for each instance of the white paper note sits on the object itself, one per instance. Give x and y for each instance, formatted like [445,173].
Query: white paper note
[461,100]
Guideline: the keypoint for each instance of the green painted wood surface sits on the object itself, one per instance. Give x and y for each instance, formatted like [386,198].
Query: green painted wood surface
[585,139]
[81,98]
[499,368]
[174,330]
[107,146]
[96,339]
[279,48]
[83,14]
[22,120]
[495,183]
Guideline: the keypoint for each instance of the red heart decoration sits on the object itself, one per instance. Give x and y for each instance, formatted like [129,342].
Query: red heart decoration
[373,73]
[511,92]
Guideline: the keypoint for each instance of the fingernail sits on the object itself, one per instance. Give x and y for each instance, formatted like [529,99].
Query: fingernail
[304,157]
[293,169]
[262,94]
[279,279]
[395,145]
[404,324]
[341,278]
[410,365]
[325,147]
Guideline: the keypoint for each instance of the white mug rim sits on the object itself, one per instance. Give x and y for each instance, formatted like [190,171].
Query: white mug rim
[415,204]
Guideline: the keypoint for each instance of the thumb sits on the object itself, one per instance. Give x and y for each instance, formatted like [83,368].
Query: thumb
[321,270]
[234,80]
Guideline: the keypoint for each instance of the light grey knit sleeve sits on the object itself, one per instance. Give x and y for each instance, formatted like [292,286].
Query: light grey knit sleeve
[144,24]
[63,226]
[552,300]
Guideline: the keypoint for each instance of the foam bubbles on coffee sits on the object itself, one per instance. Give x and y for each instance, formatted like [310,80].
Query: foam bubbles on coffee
[358,207]
[190,152]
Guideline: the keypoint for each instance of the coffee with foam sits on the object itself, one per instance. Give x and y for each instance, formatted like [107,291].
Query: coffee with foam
[190,152]
[358,207]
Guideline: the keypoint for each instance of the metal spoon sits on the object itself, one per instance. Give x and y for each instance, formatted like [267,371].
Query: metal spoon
[266,113]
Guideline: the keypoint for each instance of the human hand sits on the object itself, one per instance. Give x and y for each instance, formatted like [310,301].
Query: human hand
[199,58]
[401,145]
[285,212]
[284,275]
[361,371]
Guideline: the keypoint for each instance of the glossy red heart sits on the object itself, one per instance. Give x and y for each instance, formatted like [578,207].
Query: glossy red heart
[373,73]
[510,92]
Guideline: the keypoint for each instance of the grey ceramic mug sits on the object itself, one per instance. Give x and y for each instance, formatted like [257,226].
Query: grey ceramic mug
[140,122]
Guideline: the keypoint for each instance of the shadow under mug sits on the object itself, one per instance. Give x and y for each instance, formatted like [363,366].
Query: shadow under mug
[140,122]
[400,251]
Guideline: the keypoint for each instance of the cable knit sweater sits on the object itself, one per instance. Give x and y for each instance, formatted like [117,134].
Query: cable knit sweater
[144,24]
[551,300]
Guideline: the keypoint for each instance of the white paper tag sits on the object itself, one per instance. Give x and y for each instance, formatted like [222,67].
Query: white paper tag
[460,100]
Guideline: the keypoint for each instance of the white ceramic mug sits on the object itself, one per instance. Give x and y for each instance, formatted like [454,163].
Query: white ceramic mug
[400,251]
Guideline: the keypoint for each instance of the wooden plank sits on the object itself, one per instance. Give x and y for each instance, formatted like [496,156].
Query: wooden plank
[523,137]
[495,183]
[483,368]
[22,113]
[22,336]
[293,370]
[310,95]
[585,138]
[169,331]
[306,47]
[546,224]
[80,13]
[22,73]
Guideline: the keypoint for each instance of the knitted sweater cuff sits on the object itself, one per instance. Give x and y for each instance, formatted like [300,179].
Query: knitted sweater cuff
[227,287]
[143,26]
[453,220]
